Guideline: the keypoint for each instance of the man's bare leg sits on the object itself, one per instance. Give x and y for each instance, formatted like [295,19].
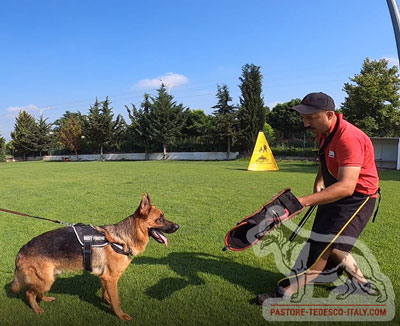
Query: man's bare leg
[309,275]
[347,261]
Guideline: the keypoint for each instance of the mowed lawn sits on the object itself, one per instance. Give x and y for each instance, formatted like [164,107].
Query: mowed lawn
[192,282]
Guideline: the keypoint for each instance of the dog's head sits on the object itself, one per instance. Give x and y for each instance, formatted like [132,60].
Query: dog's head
[154,221]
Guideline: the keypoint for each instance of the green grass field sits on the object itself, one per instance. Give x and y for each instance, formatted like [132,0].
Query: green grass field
[192,282]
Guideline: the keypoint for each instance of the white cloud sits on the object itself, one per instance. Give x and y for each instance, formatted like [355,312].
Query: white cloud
[14,110]
[271,105]
[27,108]
[170,80]
[392,61]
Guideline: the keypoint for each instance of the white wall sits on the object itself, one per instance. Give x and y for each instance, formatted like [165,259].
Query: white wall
[185,156]
[387,152]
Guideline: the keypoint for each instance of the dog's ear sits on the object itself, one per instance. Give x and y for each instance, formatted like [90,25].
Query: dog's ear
[148,198]
[144,205]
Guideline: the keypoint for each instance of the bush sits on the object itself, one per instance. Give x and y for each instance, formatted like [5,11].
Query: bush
[269,134]
[294,151]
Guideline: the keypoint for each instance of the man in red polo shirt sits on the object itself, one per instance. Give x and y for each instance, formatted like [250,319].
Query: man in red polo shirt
[345,191]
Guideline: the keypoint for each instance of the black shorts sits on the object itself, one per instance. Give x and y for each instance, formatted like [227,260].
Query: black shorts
[339,224]
[336,225]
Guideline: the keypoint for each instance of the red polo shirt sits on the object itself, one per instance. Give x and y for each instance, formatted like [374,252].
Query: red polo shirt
[352,147]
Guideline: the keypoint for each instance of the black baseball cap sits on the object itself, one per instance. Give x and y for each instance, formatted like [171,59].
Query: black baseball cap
[315,102]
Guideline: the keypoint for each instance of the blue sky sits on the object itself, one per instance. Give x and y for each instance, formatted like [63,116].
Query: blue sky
[61,55]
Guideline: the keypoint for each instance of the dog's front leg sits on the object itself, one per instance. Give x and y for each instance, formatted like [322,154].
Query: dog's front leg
[110,288]
[106,296]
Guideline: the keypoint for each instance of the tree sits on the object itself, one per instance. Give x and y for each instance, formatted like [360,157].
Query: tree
[88,146]
[102,129]
[139,128]
[71,134]
[225,115]
[166,119]
[269,134]
[197,125]
[287,123]
[68,114]
[2,149]
[42,136]
[23,142]
[119,133]
[251,114]
[373,101]
[197,131]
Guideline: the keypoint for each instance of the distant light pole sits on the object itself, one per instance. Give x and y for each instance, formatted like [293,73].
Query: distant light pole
[394,14]
[42,110]
[168,86]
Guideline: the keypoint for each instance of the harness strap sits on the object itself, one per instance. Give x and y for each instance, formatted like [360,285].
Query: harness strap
[328,178]
[87,252]
[120,249]
[89,238]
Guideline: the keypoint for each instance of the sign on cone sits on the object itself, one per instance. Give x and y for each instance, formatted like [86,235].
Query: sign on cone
[262,158]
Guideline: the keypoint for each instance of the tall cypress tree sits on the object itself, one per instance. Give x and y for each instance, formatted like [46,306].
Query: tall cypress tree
[166,119]
[23,140]
[42,136]
[139,128]
[225,116]
[100,124]
[252,112]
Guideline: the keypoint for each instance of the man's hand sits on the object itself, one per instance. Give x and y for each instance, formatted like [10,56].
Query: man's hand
[319,181]
[319,186]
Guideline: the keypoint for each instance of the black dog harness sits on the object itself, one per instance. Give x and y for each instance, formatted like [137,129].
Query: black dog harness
[89,237]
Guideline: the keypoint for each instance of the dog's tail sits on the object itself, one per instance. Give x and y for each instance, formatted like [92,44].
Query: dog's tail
[18,284]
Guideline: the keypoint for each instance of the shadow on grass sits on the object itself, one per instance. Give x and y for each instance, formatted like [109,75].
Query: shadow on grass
[189,264]
[85,286]
[293,167]
[21,295]
[236,169]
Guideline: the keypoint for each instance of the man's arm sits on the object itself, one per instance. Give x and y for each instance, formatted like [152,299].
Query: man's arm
[348,177]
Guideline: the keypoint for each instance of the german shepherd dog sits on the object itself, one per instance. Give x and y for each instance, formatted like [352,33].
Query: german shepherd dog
[42,259]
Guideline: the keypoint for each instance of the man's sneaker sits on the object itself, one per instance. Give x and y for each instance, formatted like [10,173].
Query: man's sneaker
[353,287]
[278,293]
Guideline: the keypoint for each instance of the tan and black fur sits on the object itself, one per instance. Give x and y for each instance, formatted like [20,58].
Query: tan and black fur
[41,260]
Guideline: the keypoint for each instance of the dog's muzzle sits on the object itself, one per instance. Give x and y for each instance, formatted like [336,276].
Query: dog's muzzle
[158,233]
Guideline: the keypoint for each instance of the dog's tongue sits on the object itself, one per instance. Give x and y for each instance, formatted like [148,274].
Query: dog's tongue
[163,238]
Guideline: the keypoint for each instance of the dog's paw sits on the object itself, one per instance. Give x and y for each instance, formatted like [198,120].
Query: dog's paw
[38,310]
[125,316]
[47,299]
